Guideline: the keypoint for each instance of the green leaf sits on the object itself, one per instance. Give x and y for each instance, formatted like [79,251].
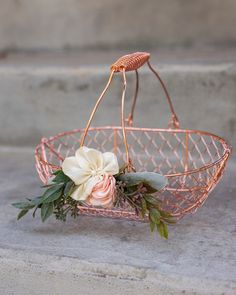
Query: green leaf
[165,227]
[165,214]
[37,201]
[22,213]
[53,197]
[34,213]
[46,211]
[160,229]
[26,205]
[61,177]
[169,220]
[48,185]
[163,230]
[53,193]
[152,225]
[167,217]
[152,179]
[69,188]
[57,172]
[29,204]
[155,215]
[152,200]
[149,189]
[143,207]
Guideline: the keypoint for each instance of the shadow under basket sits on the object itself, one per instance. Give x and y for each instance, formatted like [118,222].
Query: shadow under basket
[193,161]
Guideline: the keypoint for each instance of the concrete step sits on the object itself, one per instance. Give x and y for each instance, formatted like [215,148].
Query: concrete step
[116,256]
[42,94]
[53,24]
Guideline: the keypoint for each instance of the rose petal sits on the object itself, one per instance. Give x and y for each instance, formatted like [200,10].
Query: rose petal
[110,163]
[84,190]
[103,193]
[105,204]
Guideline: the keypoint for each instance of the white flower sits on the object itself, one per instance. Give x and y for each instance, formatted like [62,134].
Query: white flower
[87,168]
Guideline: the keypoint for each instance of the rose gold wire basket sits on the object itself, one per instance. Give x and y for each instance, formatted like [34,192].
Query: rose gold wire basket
[192,160]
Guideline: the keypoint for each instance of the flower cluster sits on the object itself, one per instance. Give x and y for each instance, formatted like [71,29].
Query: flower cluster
[92,172]
[92,178]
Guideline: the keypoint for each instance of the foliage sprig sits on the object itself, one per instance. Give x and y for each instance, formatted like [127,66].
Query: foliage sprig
[135,189]
[55,199]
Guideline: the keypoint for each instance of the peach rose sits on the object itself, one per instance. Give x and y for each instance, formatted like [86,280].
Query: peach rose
[103,193]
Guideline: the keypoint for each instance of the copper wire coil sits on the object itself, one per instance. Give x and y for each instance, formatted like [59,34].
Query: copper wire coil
[130,62]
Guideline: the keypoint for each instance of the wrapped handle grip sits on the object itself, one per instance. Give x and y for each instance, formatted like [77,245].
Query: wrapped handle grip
[130,62]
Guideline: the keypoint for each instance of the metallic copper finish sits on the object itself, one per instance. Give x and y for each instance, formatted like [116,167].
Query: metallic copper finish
[96,107]
[130,118]
[130,166]
[174,123]
[130,62]
[192,160]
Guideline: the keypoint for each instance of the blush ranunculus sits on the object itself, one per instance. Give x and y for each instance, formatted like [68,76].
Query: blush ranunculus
[103,193]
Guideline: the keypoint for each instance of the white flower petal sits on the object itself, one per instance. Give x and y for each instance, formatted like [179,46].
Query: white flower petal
[84,190]
[110,163]
[71,168]
[79,193]
[81,158]
[89,159]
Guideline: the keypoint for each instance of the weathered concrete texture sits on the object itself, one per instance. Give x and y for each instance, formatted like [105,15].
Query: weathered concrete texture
[42,94]
[102,256]
[56,24]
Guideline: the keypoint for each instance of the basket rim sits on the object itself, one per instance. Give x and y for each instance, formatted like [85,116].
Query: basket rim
[226,154]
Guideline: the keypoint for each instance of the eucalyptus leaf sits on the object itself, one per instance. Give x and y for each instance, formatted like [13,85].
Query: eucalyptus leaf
[34,213]
[152,200]
[53,193]
[22,213]
[169,220]
[155,215]
[152,179]
[149,189]
[165,214]
[26,205]
[60,177]
[163,230]
[48,185]
[160,229]
[57,172]
[46,211]
[37,201]
[53,197]
[69,188]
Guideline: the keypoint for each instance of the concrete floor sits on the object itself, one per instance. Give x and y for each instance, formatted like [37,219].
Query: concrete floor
[103,256]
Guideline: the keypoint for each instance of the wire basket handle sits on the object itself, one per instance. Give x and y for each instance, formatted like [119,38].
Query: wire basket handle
[133,61]
[130,62]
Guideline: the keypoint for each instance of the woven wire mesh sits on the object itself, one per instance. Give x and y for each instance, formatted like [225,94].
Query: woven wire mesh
[193,162]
